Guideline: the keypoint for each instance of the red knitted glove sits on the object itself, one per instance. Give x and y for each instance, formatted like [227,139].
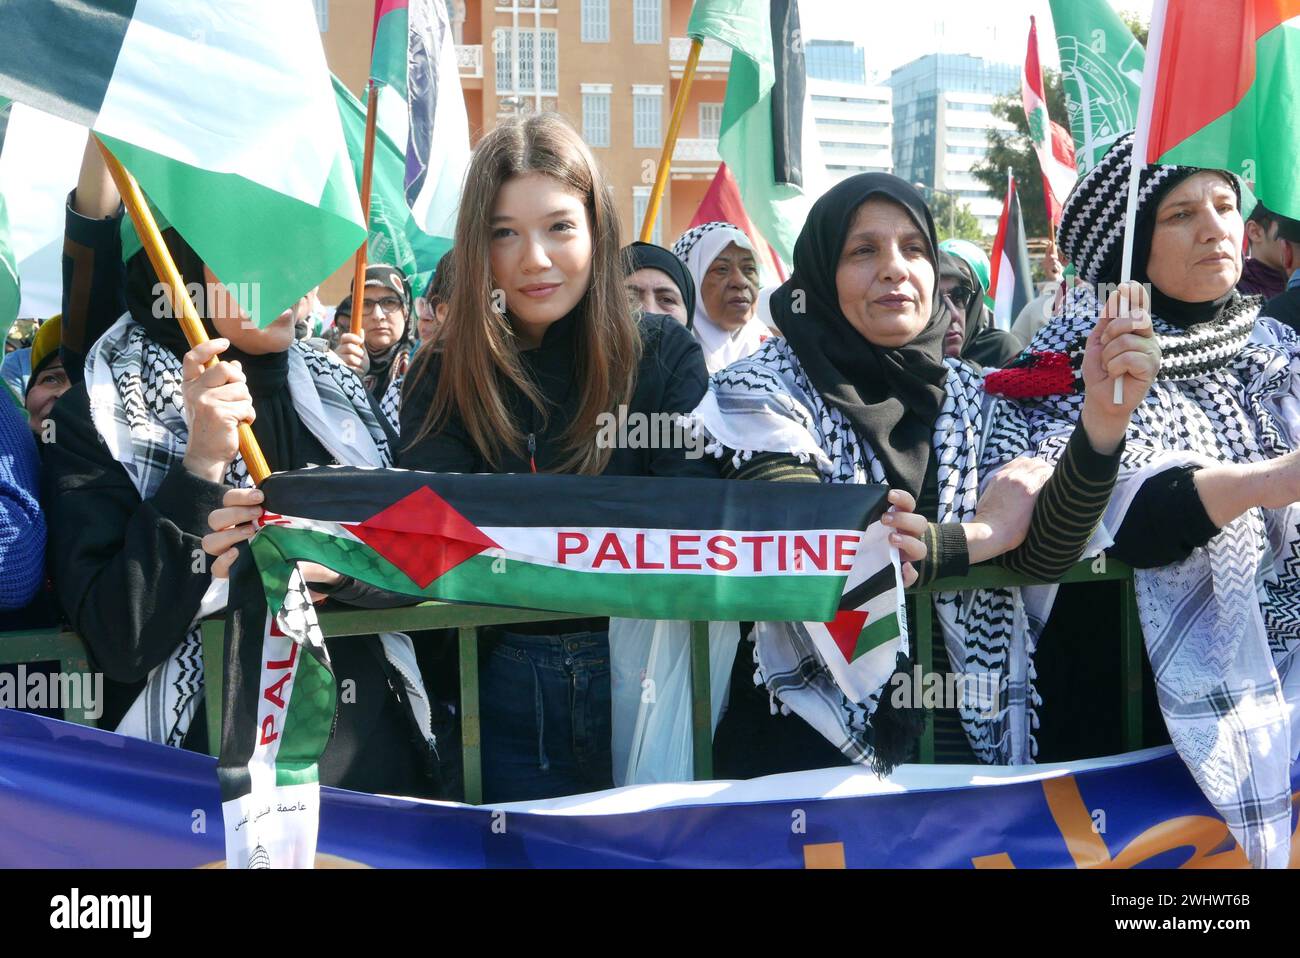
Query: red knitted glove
[1032,375]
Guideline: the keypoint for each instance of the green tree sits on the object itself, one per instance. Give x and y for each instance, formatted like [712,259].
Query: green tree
[1137,26]
[1015,150]
[953,219]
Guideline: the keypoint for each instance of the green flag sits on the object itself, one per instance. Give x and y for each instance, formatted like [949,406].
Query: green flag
[8,265]
[1101,65]
[766,136]
[395,236]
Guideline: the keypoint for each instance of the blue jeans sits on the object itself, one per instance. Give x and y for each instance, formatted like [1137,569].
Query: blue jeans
[545,709]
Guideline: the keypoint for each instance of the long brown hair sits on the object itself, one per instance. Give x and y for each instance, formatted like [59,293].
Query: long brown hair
[479,352]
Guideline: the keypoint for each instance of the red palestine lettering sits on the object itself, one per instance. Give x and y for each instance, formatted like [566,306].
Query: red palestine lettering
[272,692]
[694,552]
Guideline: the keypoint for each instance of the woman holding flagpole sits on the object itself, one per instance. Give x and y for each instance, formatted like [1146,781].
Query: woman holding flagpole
[859,391]
[147,446]
[1206,505]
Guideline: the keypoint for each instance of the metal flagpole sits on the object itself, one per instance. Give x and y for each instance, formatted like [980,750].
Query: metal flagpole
[670,142]
[182,306]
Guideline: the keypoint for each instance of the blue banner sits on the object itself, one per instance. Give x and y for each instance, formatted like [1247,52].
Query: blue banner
[78,797]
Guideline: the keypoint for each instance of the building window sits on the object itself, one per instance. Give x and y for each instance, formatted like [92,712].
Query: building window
[595,118]
[595,21]
[646,109]
[502,49]
[322,14]
[646,21]
[640,200]
[710,120]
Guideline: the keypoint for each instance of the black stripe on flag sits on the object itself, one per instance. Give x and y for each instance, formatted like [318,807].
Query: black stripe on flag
[1017,254]
[347,494]
[788,94]
[875,584]
[58,55]
[245,630]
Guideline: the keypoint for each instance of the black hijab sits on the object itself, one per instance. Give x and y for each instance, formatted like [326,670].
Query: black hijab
[982,345]
[286,443]
[649,256]
[891,396]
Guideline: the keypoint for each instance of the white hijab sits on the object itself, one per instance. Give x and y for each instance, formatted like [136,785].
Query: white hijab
[698,248]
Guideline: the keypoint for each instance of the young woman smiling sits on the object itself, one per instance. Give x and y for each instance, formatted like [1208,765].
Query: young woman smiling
[539,340]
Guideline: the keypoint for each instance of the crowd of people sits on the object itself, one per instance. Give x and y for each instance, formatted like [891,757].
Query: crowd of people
[1164,435]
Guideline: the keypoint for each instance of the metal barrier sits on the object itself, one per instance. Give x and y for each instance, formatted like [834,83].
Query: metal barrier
[50,645]
[67,649]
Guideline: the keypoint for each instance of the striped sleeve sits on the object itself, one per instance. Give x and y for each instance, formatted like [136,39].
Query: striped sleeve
[770,467]
[1067,512]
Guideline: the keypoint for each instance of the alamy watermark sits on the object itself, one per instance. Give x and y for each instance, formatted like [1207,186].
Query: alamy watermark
[640,430]
[61,690]
[974,691]
[213,300]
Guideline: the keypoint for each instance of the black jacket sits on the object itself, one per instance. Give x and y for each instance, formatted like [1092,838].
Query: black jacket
[671,378]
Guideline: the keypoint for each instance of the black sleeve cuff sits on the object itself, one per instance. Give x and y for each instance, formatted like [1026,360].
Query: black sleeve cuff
[1090,464]
[1186,500]
[946,553]
[186,500]
[100,234]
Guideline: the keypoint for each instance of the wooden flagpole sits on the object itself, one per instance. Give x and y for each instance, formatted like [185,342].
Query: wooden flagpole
[670,142]
[359,272]
[182,306]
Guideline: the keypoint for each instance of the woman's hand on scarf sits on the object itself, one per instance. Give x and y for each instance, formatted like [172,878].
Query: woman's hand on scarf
[352,350]
[216,402]
[907,533]
[1004,509]
[1122,344]
[236,522]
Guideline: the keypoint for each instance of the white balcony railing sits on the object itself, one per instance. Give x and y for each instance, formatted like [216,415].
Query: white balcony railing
[696,151]
[714,55]
[470,60]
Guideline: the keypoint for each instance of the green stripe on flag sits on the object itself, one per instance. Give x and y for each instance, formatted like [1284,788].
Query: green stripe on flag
[488,580]
[1258,139]
[388,61]
[876,634]
[307,722]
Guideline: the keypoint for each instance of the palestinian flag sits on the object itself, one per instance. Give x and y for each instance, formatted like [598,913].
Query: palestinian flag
[1222,90]
[768,138]
[1012,281]
[9,291]
[224,114]
[395,236]
[644,548]
[1051,142]
[422,110]
[1101,69]
[722,203]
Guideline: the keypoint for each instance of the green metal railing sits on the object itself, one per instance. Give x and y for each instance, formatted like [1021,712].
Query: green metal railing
[68,650]
[50,645]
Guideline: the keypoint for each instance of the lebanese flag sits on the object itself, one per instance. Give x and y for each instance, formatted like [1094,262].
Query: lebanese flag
[1052,142]
[722,203]
[422,109]
[1011,278]
[1221,90]
[224,114]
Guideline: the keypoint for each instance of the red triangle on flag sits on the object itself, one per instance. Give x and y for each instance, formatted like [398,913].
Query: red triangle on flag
[422,535]
[845,629]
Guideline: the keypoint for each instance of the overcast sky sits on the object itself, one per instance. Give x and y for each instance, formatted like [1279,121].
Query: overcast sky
[994,29]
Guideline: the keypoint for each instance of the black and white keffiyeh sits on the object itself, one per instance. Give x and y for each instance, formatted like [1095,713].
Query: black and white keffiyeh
[768,404]
[137,407]
[1222,627]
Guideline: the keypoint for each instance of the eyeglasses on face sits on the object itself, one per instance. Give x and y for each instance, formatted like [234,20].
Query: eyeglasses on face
[961,296]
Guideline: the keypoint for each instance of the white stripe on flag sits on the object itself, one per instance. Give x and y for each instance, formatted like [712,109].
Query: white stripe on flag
[174,55]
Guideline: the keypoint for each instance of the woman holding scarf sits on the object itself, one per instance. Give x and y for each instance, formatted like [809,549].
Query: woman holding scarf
[858,391]
[1206,502]
[147,447]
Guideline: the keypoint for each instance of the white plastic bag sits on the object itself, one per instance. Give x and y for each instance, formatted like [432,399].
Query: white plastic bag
[650,686]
